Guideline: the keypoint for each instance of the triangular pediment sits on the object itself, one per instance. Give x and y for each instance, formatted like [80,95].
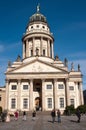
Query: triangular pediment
[37,66]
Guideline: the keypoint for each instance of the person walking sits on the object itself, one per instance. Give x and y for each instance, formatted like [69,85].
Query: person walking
[78,114]
[16,115]
[53,115]
[58,116]
[24,115]
[33,115]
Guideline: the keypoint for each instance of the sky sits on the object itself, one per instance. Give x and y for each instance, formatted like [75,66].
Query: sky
[67,22]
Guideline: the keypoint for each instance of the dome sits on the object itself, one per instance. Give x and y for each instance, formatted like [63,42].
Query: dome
[38,17]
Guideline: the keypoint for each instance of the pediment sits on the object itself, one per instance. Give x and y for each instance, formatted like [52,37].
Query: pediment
[37,66]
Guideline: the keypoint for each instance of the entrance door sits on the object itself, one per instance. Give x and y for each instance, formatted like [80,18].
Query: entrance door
[37,103]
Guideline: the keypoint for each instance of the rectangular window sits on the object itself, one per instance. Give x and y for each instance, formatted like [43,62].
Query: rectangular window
[25,87]
[71,87]
[60,86]
[49,86]
[14,87]
[61,102]
[43,52]
[31,52]
[13,103]
[25,103]
[49,101]
[72,102]
[0,98]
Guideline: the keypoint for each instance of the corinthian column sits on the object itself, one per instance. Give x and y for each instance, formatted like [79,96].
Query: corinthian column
[55,94]
[43,94]
[7,95]
[67,92]
[27,48]
[81,95]
[19,95]
[31,95]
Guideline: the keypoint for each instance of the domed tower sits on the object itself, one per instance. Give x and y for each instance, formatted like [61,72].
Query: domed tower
[38,40]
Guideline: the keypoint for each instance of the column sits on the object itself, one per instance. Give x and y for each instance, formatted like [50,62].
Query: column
[67,92]
[81,94]
[27,48]
[19,95]
[23,50]
[33,46]
[55,94]
[48,48]
[41,46]
[52,50]
[31,95]
[43,94]
[7,95]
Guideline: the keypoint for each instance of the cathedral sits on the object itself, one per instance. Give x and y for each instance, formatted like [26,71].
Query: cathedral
[39,80]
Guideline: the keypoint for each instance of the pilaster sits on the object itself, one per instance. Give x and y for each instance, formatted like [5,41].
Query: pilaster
[43,94]
[31,95]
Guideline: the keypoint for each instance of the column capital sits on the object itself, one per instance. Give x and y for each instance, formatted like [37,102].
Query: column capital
[7,80]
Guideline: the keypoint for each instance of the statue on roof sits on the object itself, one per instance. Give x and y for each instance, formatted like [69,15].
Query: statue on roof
[18,58]
[72,66]
[9,63]
[78,67]
[38,7]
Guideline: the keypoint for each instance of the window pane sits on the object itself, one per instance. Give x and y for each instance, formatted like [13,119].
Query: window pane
[49,86]
[60,86]
[25,103]
[71,87]
[61,102]
[25,87]
[49,102]
[14,87]
[72,102]
[13,103]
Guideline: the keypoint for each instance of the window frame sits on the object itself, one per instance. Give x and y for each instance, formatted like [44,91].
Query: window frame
[49,103]
[13,103]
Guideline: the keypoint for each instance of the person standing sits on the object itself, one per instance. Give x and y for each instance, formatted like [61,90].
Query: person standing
[53,115]
[16,115]
[24,115]
[59,116]
[33,115]
[78,114]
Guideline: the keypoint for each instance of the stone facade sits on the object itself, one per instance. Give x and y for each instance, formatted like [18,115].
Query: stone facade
[38,80]
[2,97]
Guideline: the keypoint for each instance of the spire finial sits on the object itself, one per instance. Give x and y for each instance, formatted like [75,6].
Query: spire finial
[38,7]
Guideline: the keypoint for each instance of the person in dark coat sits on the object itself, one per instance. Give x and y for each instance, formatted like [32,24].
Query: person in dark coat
[78,114]
[53,115]
[33,115]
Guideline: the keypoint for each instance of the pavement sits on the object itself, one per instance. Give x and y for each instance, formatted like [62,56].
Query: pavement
[44,122]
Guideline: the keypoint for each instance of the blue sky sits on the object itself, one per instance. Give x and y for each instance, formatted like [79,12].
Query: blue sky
[67,21]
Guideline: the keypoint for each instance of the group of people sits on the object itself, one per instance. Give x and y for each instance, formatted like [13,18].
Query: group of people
[57,113]
[54,114]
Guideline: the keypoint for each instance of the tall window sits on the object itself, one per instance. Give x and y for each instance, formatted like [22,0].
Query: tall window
[25,87]
[61,102]
[14,87]
[60,86]
[43,52]
[0,97]
[13,103]
[25,103]
[31,52]
[49,86]
[49,101]
[72,102]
